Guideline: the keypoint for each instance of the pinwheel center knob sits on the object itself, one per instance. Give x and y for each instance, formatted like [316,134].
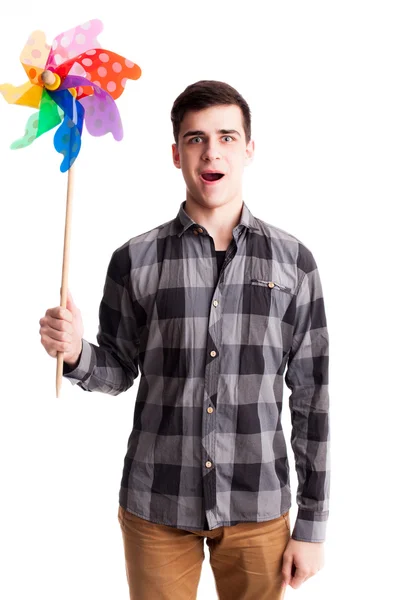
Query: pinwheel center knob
[50,80]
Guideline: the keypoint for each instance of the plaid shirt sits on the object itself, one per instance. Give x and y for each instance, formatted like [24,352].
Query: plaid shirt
[207,441]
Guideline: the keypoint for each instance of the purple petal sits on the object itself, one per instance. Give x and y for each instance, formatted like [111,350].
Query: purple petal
[101,112]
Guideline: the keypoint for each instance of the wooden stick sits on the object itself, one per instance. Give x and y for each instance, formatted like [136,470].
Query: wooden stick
[64,280]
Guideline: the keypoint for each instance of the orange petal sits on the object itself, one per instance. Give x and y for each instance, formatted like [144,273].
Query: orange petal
[34,56]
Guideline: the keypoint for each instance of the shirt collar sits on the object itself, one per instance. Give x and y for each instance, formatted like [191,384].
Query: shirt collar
[183,221]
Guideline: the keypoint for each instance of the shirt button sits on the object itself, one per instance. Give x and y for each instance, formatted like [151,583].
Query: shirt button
[195,232]
[210,409]
[208,464]
[215,302]
[200,230]
[213,353]
[271,284]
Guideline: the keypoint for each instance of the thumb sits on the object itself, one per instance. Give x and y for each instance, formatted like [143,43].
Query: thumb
[70,303]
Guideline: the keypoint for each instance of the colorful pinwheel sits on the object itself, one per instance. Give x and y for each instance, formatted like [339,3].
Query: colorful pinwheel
[74,81]
[71,82]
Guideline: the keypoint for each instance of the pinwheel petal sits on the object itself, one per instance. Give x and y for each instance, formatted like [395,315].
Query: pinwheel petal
[50,114]
[34,55]
[30,135]
[25,94]
[74,41]
[102,115]
[101,112]
[108,70]
[67,139]
[48,117]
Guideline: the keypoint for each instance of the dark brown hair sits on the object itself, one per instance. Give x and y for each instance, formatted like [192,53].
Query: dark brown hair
[203,94]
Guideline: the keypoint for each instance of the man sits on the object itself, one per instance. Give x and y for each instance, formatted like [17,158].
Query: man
[212,307]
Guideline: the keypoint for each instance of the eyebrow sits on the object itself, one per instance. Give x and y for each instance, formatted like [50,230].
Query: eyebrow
[198,132]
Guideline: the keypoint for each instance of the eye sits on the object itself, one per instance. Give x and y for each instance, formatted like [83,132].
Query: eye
[195,138]
[228,136]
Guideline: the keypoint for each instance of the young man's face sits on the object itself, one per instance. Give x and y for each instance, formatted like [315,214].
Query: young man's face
[213,139]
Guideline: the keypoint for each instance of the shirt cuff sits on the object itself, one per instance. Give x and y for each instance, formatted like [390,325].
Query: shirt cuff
[84,367]
[310,526]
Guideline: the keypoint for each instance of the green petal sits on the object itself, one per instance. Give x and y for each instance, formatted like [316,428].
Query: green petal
[49,115]
[31,129]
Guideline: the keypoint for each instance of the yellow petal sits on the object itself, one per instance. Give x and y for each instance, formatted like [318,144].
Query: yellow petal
[25,94]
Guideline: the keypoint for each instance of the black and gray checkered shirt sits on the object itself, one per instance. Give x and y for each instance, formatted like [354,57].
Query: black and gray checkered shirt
[207,446]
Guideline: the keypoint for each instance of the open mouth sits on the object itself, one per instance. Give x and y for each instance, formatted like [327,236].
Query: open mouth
[212,176]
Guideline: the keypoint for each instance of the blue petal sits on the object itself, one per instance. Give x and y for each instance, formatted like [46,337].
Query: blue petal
[67,139]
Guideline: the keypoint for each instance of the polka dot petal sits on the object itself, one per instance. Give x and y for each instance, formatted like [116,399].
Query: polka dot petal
[35,51]
[111,79]
[75,41]
[65,41]
[101,115]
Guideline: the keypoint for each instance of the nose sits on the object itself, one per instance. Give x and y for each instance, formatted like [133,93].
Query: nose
[211,151]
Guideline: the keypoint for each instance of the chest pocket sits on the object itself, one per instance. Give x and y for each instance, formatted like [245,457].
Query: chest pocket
[269,297]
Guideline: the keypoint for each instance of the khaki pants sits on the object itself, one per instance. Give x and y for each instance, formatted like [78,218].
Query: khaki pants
[164,563]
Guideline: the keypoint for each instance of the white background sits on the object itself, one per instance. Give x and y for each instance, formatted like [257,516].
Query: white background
[322,81]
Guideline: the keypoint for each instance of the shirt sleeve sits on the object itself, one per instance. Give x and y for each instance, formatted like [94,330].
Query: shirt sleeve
[68,368]
[307,378]
[111,366]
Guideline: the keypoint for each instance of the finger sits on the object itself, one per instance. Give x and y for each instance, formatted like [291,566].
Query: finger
[56,323]
[56,334]
[53,346]
[287,569]
[49,350]
[298,579]
[59,312]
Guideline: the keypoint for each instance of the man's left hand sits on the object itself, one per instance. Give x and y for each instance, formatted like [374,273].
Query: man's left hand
[301,560]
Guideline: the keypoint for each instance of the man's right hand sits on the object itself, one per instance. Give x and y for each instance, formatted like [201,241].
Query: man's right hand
[61,330]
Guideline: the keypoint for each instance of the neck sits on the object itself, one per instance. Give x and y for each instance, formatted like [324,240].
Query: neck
[219,220]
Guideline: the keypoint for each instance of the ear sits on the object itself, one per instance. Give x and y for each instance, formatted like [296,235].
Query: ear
[249,152]
[175,156]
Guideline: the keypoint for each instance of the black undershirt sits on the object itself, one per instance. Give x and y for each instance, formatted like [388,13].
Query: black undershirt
[220,260]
